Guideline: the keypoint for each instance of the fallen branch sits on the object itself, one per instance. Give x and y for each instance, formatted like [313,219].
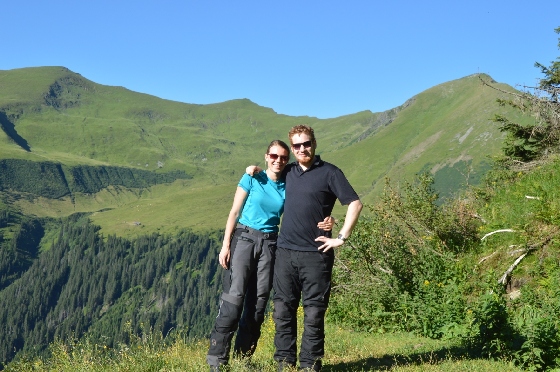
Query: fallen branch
[508,272]
[530,248]
[487,257]
[497,231]
[511,253]
[522,250]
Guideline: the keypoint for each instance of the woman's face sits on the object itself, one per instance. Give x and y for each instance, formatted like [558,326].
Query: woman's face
[277,158]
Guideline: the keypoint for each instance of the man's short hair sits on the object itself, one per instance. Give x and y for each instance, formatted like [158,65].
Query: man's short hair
[302,129]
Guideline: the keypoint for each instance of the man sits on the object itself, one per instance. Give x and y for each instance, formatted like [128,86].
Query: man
[305,253]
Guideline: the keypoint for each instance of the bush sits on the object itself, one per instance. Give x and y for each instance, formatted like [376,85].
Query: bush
[540,346]
[402,272]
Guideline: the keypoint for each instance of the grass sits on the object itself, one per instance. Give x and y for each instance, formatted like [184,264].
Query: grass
[128,213]
[345,351]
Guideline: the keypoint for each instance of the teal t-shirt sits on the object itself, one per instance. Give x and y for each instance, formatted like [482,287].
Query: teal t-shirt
[265,202]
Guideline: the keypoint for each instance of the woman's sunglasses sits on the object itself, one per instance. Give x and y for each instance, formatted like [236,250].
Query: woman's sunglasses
[276,156]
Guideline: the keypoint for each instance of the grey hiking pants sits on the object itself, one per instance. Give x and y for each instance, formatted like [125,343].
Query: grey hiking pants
[246,289]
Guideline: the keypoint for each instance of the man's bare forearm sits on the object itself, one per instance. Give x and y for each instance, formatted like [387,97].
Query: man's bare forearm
[352,215]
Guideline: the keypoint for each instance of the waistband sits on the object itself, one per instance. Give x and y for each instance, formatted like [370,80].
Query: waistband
[259,233]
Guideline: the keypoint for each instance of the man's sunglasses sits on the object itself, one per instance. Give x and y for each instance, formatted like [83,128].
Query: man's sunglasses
[276,156]
[305,144]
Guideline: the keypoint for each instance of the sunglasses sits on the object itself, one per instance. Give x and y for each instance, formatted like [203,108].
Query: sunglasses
[305,144]
[276,156]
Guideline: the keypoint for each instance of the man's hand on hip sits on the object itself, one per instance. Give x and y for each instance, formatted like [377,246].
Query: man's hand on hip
[328,243]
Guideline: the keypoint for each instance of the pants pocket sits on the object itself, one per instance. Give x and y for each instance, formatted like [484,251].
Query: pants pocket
[246,238]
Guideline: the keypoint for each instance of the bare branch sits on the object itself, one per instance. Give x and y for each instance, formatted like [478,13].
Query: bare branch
[340,262]
[513,253]
[497,231]
[487,257]
[504,278]
[371,264]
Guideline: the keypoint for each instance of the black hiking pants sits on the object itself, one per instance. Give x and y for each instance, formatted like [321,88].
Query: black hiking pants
[301,276]
[246,290]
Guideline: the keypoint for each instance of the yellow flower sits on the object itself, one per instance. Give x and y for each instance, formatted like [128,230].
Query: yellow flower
[426,282]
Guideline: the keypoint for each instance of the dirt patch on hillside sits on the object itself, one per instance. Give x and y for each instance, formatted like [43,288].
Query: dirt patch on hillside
[417,150]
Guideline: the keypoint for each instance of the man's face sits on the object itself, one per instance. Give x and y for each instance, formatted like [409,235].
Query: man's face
[303,148]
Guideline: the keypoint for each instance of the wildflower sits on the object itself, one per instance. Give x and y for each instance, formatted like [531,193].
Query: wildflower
[426,282]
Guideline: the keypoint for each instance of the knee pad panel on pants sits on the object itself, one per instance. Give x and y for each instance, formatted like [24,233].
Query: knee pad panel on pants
[282,310]
[228,317]
[314,316]
[220,344]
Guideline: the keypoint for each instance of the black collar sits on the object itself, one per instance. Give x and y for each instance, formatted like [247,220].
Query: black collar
[316,163]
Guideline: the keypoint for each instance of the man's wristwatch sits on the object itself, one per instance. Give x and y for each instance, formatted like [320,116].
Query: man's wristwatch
[341,237]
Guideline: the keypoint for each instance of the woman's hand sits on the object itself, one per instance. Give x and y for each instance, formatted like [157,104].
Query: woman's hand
[224,257]
[327,224]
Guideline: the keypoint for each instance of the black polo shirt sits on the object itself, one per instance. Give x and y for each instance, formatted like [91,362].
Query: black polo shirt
[310,197]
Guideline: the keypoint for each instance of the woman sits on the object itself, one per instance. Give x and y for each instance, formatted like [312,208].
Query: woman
[248,256]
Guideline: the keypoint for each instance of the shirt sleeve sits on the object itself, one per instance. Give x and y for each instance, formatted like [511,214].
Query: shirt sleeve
[246,182]
[341,188]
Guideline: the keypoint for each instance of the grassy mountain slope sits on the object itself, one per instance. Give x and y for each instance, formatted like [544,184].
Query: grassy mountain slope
[445,130]
[53,114]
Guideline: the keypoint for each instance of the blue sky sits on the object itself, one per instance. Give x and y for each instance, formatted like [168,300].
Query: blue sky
[315,58]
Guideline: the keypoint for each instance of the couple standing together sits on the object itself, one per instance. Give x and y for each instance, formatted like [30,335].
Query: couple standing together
[297,262]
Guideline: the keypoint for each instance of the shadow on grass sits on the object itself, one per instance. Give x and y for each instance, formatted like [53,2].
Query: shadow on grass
[389,361]
[10,129]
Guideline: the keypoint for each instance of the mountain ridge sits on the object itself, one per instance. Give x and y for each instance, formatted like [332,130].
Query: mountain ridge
[60,116]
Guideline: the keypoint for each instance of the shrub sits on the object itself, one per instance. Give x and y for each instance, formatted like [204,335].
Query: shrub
[402,272]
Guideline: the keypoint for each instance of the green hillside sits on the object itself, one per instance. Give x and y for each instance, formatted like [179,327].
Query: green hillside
[55,116]
[446,130]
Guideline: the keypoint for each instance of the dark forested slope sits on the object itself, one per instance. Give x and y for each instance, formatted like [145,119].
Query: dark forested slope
[107,287]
